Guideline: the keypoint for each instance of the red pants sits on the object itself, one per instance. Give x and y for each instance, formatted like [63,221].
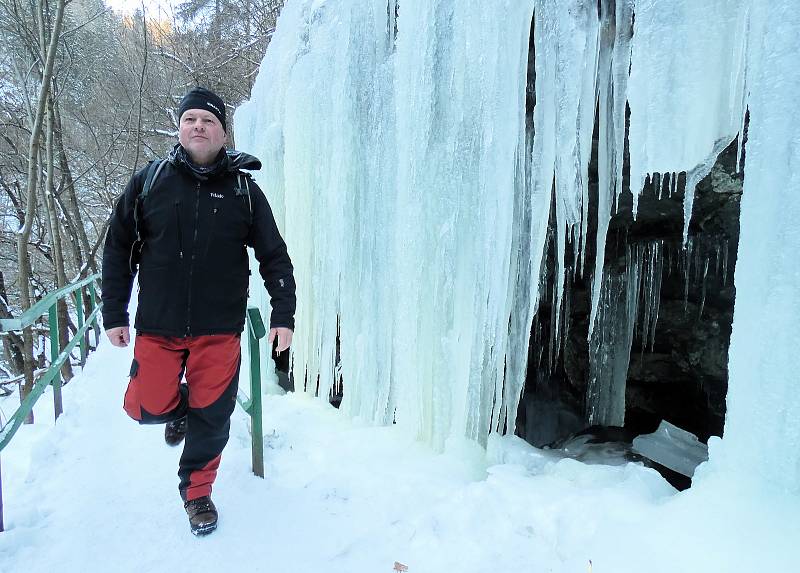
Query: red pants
[155,395]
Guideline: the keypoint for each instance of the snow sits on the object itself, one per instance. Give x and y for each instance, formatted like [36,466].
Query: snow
[96,492]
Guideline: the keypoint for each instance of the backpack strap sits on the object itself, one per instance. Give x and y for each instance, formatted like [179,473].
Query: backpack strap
[153,171]
[243,188]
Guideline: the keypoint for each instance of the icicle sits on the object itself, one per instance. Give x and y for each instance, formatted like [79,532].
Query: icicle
[657,274]
[566,40]
[703,293]
[669,260]
[742,89]
[610,347]
[554,314]
[391,16]
[687,258]
[613,66]
[693,177]
[725,263]
[651,276]
[539,346]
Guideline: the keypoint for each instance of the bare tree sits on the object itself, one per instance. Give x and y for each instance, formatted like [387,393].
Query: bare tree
[33,177]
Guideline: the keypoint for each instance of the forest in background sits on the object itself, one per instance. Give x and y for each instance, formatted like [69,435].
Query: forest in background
[88,97]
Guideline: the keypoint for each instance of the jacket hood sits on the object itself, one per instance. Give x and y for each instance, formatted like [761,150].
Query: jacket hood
[240,160]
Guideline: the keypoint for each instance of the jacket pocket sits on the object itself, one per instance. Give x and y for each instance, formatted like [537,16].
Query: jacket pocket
[162,300]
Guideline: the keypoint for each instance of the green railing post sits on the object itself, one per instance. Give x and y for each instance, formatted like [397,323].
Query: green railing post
[92,305]
[1,501]
[255,332]
[54,352]
[79,309]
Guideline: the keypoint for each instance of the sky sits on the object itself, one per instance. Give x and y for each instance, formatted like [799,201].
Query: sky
[129,6]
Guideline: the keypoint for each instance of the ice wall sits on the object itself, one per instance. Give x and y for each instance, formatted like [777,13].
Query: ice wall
[762,427]
[398,163]
[416,206]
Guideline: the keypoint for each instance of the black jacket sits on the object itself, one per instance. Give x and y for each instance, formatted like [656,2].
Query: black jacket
[193,264]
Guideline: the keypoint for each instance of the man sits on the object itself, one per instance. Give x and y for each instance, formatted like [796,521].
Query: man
[186,236]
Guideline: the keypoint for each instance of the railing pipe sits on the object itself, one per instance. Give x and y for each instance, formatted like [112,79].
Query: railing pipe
[252,405]
[54,344]
[58,356]
[79,310]
[92,305]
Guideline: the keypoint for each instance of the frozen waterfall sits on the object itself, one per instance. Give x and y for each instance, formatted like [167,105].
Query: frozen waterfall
[415,196]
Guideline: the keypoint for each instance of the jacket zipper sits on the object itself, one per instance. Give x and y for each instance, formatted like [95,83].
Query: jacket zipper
[211,231]
[180,235]
[191,260]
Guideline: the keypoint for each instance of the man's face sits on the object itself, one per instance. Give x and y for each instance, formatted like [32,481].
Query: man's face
[201,135]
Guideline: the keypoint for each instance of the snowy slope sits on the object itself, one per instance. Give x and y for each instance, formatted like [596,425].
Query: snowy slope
[98,493]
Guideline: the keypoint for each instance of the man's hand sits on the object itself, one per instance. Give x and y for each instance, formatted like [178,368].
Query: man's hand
[284,338]
[121,335]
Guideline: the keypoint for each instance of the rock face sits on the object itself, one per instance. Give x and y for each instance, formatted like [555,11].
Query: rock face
[683,299]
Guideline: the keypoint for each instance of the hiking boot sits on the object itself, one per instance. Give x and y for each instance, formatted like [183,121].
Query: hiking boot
[202,515]
[175,431]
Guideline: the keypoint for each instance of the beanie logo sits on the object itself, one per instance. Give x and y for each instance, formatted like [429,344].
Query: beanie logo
[211,105]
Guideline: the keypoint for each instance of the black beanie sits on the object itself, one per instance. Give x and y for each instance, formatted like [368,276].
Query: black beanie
[201,98]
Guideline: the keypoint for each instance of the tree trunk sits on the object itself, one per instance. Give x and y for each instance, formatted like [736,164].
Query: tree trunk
[55,234]
[70,201]
[12,343]
[33,182]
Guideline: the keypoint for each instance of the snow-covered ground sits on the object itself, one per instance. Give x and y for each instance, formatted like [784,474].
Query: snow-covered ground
[95,492]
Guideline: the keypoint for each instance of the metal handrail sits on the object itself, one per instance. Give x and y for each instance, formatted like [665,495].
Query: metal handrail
[37,310]
[252,405]
[58,356]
